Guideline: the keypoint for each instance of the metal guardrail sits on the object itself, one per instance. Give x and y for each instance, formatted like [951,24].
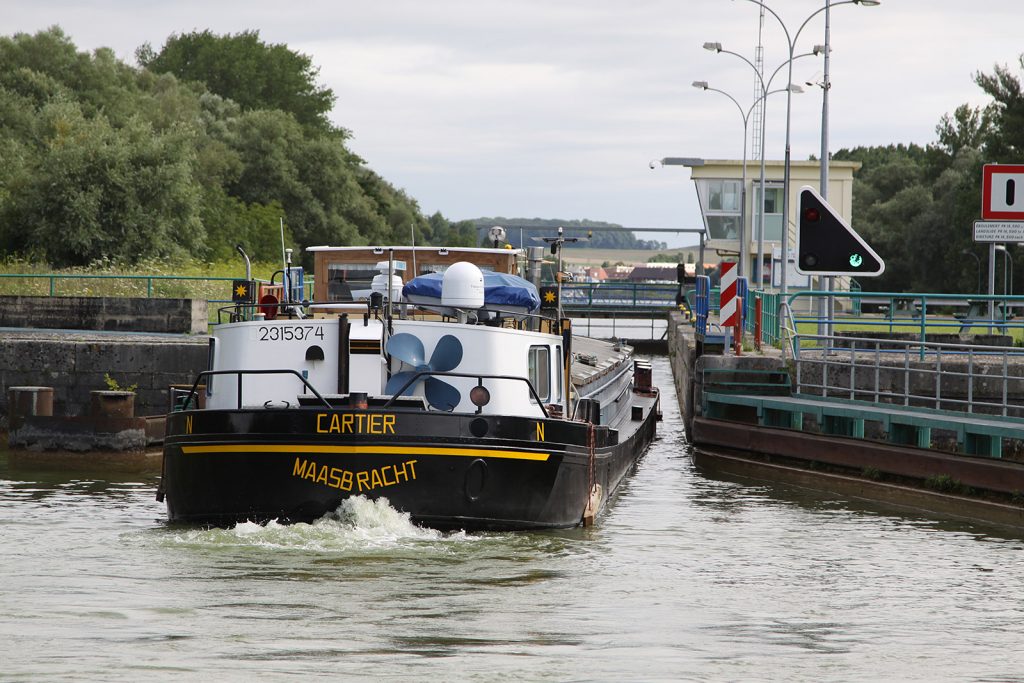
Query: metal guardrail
[924,312]
[54,279]
[943,376]
[631,295]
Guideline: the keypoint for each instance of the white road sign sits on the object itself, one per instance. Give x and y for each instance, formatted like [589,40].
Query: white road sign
[998,231]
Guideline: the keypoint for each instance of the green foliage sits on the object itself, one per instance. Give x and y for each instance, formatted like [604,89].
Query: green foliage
[246,70]
[667,257]
[871,473]
[1004,139]
[916,205]
[943,483]
[114,385]
[211,144]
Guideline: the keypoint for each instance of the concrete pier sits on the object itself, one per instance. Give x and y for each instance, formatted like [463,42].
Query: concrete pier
[74,365]
[929,457]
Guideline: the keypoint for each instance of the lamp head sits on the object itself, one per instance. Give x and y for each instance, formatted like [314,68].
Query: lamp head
[868,3]
[794,88]
[818,50]
[703,85]
[713,47]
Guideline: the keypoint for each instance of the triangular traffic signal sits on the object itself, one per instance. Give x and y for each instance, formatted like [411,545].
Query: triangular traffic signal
[827,245]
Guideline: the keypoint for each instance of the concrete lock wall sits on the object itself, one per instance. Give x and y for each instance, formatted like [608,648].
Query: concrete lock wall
[75,366]
[187,316]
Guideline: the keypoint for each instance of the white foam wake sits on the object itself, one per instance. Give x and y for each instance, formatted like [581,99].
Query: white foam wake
[358,524]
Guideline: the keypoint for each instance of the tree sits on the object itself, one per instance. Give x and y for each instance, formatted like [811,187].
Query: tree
[93,191]
[1005,137]
[248,71]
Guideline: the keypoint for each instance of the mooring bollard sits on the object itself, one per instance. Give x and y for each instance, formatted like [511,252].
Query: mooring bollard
[28,402]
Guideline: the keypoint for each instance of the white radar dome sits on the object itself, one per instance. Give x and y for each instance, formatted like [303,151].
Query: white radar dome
[462,286]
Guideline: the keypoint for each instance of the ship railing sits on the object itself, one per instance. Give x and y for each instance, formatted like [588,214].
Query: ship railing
[193,394]
[423,374]
[241,312]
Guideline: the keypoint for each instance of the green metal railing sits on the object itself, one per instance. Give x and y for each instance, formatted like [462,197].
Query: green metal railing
[631,295]
[54,278]
[921,313]
[119,285]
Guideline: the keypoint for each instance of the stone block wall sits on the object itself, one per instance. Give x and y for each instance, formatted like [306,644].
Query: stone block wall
[74,365]
[125,314]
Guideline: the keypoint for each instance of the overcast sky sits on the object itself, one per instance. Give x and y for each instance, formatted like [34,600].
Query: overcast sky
[554,108]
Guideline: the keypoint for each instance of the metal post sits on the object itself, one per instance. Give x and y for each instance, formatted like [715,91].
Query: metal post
[826,85]
[991,286]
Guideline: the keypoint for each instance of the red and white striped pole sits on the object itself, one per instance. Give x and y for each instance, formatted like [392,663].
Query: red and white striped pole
[729,303]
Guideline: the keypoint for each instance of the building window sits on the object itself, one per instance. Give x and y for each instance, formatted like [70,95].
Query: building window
[540,371]
[772,212]
[720,200]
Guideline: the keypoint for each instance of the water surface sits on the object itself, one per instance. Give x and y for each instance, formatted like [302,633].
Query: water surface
[685,577]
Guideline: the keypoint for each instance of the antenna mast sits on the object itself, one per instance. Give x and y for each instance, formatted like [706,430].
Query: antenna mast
[755,129]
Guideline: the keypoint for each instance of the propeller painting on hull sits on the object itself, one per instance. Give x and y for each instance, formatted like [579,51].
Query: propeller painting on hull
[446,357]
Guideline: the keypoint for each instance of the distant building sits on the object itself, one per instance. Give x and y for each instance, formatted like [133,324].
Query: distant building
[653,272]
[618,272]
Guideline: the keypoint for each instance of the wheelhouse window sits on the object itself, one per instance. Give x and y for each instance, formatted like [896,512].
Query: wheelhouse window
[426,268]
[540,371]
[343,278]
[558,373]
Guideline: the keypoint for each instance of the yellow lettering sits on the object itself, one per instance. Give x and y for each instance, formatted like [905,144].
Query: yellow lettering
[389,423]
[334,424]
[188,424]
[373,423]
[319,422]
[540,431]
[345,480]
[362,418]
[346,423]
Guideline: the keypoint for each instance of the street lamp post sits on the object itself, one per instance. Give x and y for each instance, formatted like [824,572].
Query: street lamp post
[745,115]
[977,258]
[791,45]
[1007,267]
[765,85]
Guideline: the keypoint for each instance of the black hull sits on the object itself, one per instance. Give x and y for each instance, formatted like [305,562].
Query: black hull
[447,471]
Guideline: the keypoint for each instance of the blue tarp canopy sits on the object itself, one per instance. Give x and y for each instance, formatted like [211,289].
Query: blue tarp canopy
[501,290]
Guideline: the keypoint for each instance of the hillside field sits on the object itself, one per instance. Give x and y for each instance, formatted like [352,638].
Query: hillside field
[595,257]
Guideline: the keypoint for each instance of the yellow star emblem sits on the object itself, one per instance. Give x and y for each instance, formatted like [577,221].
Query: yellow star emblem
[241,291]
[549,296]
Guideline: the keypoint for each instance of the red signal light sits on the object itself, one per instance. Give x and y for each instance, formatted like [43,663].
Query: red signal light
[812,215]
